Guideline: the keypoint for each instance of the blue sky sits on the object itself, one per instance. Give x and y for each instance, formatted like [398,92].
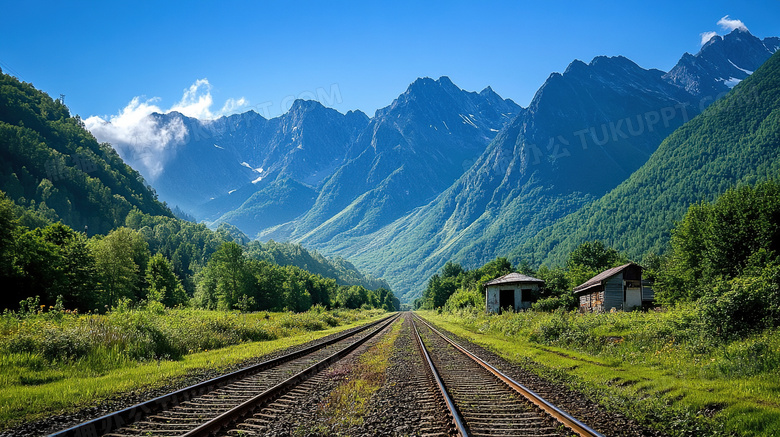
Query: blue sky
[352,55]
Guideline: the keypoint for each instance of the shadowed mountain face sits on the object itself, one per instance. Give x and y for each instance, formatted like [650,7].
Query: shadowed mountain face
[734,141]
[409,153]
[221,163]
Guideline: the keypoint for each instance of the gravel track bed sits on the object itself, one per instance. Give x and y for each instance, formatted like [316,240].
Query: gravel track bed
[59,422]
[609,423]
[409,402]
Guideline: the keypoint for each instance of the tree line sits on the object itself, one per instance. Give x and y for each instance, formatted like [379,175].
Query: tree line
[723,260]
[156,259]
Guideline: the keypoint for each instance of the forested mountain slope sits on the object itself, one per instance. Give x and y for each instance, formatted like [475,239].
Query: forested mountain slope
[735,141]
[50,163]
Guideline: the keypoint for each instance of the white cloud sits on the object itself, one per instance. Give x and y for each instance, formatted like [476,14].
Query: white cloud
[196,101]
[728,24]
[139,139]
[232,105]
[706,36]
[146,144]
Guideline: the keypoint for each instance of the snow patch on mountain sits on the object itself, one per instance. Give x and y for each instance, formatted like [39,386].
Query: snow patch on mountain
[467,120]
[739,68]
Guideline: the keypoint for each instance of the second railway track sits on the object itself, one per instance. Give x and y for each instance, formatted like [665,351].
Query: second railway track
[485,402]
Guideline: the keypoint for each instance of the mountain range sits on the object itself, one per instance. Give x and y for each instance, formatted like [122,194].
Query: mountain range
[443,174]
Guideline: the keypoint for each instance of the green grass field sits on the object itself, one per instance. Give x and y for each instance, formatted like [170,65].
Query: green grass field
[654,367]
[54,362]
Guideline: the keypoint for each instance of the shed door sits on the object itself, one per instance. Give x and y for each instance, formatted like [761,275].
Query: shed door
[633,298]
[507,299]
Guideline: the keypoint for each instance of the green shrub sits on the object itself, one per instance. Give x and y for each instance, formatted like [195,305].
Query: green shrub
[565,328]
[743,305]
[753,356]
[464,298]
[566,302]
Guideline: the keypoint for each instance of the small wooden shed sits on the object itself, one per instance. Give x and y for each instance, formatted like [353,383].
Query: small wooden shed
[513,290]
[621,288]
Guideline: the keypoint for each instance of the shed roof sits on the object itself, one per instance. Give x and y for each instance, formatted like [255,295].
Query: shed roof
[601,277]
[514,278]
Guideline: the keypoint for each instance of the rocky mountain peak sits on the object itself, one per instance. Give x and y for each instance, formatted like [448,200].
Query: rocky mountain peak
[722,62]
[300,106]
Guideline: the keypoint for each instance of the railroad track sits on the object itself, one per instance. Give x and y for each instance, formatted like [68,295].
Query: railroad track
[484,401]
[426,414]
[213,406]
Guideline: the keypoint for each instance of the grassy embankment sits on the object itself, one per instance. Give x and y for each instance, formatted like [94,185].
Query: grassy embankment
[55,361]
[656,367]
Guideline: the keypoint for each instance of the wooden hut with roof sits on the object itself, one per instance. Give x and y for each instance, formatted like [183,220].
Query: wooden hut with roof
[619,288]
[514,290]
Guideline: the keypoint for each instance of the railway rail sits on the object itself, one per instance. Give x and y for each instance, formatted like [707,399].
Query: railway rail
[210,407]
[484,401]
